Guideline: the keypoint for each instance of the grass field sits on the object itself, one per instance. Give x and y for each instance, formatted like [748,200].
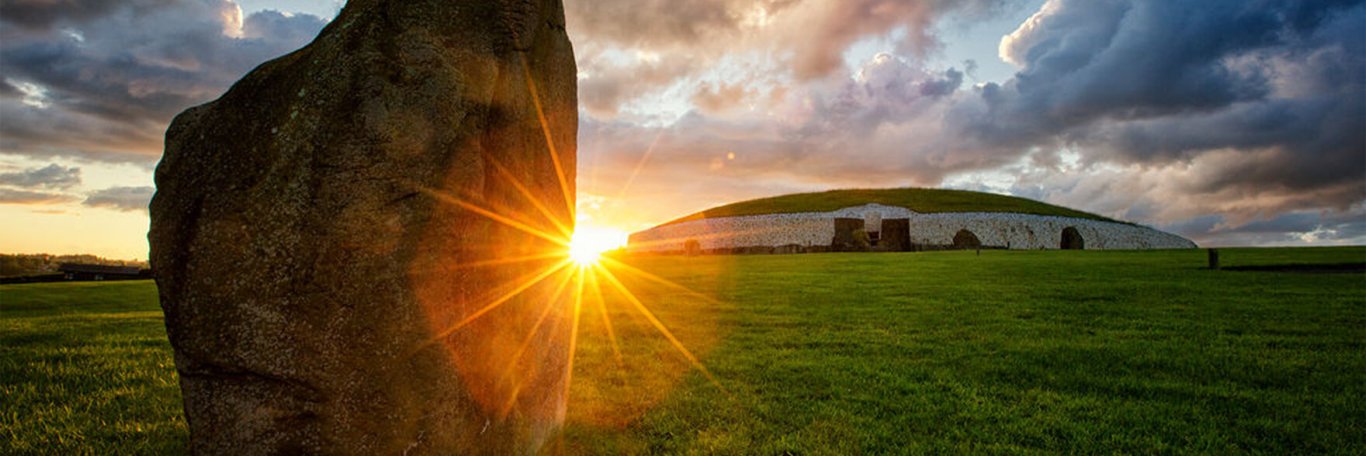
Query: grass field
[923,200]
[85,368]
[1097,352]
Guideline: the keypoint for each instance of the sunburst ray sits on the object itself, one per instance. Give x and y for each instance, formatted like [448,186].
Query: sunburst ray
[549,139]
[660,280]
[574,332]
[510,260]
[526,343]
[526,193]
[518,225]
[518,289]
[606,319]
[640,164]
[658,325]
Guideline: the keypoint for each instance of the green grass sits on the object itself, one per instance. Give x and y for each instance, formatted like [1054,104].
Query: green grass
[1014,352]
[924,200]
[85,368]
[947,352]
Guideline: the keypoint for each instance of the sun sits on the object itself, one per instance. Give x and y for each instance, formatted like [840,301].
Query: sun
[588,243]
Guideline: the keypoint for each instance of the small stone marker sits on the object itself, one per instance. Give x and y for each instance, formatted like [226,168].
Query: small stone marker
[1214,259]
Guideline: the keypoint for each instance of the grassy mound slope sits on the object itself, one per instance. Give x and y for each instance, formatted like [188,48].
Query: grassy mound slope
[924,200]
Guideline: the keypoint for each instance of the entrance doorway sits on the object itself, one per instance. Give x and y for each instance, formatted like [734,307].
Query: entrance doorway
[1072,240]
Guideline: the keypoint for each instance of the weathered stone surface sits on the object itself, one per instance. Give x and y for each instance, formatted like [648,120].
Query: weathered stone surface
[316,242]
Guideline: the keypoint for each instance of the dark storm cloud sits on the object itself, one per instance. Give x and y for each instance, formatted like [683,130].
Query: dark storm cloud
[8,90]
[1275,88]
[111,75]
[1089,61]
[1347,227]
[43,14]
[121,198]
[1206,56]
[51,176]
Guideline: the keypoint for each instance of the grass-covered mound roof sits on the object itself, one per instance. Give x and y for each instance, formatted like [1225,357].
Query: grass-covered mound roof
[923,200]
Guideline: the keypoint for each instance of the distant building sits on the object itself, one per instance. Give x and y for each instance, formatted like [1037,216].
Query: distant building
[73,271]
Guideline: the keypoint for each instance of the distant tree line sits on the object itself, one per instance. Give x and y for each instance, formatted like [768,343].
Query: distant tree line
[37,264]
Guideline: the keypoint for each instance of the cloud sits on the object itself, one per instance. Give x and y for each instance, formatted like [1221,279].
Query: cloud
[867,130]
[274,26]
[612,82]
[1216,118]
[1291,228]
[121,198]
[43,15]
[814,33]
[721,97]
[51,176]
[8,90]
[1154,111]
[658,23]
[629,50]
[32,198]
[110,75]
[1089,62]
[1260,103]
[830,28]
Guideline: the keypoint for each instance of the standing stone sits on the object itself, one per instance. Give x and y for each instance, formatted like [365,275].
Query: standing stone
[844,240]
[320,230]
[896,235]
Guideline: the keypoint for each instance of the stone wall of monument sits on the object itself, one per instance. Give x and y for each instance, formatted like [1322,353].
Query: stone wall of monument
[994,229]
[1025,231]
[804,229]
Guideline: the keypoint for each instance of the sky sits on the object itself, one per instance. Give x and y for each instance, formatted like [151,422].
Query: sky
[1230,122]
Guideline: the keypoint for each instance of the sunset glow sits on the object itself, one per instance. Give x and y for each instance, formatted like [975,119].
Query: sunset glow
[546,305]
[589,243]
[589,227]
[673,123]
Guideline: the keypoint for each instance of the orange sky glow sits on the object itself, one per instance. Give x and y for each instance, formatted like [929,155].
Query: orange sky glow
[1103,107]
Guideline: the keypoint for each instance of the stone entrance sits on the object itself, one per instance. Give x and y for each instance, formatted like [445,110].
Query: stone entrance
[844,240]
[896,235]
[1071,239]
[872,223]
[966,240]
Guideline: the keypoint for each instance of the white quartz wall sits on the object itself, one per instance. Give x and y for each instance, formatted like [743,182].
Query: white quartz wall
[805,229]
[1018,231]
[1025,231]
